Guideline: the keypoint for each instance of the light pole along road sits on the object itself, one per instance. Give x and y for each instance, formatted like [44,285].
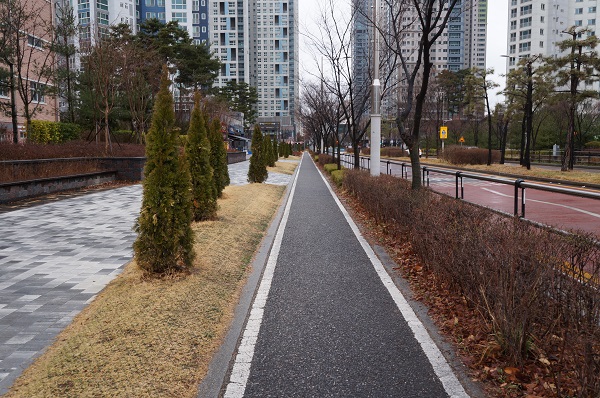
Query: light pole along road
[558,210]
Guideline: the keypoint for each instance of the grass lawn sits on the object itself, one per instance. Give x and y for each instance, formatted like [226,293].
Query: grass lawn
[155,337]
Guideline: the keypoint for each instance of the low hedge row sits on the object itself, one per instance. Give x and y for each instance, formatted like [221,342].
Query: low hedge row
[536,289]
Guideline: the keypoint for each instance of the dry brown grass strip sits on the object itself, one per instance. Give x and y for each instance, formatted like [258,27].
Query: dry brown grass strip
[155,338]
[284,167]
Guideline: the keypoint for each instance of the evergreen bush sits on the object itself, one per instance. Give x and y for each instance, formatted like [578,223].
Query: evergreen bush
[165,238]
[268,151]
[197,150]
[257,172]
[218,157]
[275,150]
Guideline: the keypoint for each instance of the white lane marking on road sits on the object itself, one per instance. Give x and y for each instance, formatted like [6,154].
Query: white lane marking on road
[440,366]
[589,213]
[243,359]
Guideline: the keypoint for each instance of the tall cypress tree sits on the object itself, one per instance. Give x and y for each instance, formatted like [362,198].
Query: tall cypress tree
[268,152]
[198,149]
[165,238]
[275,150]
[218,157]
[257,172]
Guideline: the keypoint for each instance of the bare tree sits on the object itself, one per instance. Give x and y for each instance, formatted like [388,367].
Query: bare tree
[426,20]
[103,67]
[333,42]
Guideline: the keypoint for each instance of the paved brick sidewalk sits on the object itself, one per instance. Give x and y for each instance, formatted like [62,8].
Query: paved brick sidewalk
[55,257]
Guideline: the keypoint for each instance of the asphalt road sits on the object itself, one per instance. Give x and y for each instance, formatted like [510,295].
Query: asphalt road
[331,325]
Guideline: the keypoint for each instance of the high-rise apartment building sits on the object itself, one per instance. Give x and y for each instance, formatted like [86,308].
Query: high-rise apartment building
[462,45]
[535,27]
[256,42]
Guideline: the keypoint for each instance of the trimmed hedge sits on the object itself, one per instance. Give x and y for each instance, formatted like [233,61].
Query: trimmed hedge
[463,155]
[45,132]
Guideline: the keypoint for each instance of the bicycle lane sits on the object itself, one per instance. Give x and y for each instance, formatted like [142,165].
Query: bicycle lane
[327,320]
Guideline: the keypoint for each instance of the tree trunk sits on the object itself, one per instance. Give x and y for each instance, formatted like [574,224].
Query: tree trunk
[13,104]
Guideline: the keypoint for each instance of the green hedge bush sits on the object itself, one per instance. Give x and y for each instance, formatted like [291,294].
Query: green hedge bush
[45,132]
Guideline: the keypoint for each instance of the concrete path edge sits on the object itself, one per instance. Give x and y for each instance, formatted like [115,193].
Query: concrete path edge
[215,381]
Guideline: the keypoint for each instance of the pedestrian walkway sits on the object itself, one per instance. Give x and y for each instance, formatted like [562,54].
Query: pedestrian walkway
[55,257]
[327,320]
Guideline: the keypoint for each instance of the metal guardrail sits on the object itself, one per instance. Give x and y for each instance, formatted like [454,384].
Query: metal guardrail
[519,183]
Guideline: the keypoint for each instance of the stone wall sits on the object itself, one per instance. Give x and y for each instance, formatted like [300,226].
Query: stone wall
[13,191]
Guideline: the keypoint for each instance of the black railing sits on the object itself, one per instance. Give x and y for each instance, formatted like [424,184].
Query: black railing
[519,183]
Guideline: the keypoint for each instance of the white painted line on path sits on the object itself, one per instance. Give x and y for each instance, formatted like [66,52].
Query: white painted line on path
[440,366]
[243,359]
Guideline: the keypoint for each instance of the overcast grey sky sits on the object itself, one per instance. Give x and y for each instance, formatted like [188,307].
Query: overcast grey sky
[496,36]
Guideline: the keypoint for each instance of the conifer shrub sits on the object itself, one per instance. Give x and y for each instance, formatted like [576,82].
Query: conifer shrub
[165,238]
[275,150]
[268,151]
[218,156]
[257,171]
[197,150]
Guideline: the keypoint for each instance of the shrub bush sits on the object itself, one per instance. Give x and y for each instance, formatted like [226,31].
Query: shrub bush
[45,132]
[338,177]
[529,283]
[462,155]
[324,159]
[593,145]
[330,167]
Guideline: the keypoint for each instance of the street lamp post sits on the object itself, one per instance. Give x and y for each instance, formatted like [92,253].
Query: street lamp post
[569,157]
[375,100]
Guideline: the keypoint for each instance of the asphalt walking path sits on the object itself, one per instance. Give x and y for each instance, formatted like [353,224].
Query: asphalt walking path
[56,254]
[326,319]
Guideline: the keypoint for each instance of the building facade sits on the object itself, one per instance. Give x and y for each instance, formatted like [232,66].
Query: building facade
[27,38]
[535,27]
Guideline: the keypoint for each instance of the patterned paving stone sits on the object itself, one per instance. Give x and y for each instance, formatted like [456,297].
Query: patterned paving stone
[56,256]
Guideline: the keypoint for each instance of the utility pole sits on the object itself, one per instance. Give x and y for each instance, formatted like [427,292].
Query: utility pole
[375,101]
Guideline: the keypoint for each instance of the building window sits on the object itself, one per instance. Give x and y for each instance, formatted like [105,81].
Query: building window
[178,4]
[34,41]
[102,5]
[4,88]
[180,17]
[150,3]
[37,92]
[578,11]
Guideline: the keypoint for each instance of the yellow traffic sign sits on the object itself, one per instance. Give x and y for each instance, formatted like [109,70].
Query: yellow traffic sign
[461,140]
[443,132]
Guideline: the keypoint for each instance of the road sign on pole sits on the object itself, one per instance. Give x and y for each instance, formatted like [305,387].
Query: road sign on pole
[443,132]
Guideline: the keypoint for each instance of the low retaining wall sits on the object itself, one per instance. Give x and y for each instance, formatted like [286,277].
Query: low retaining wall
[95,171]
[235,157]
[12,191]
